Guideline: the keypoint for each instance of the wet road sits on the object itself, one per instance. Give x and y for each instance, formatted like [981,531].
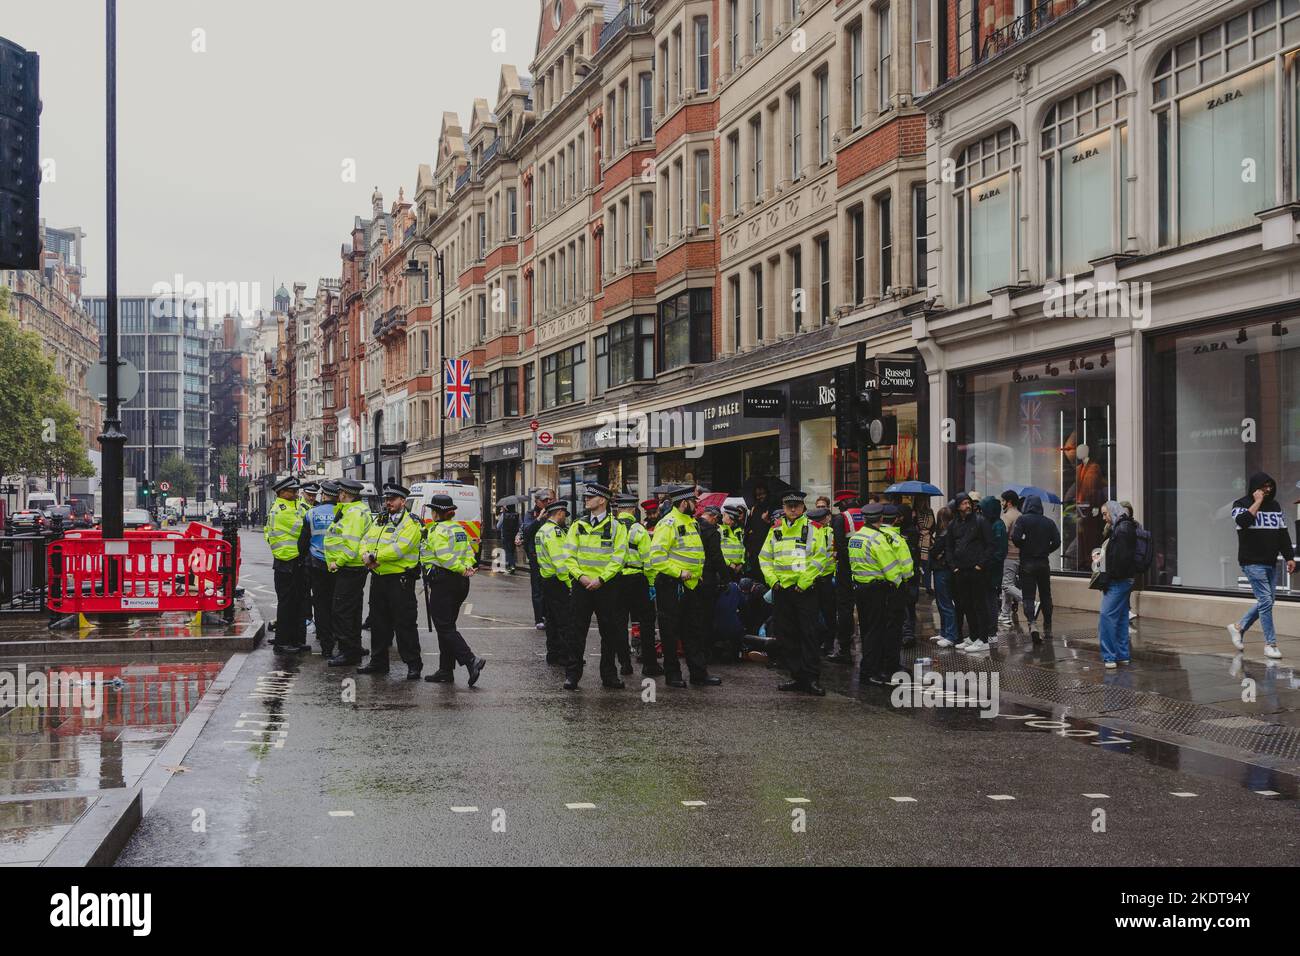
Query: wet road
[519,771]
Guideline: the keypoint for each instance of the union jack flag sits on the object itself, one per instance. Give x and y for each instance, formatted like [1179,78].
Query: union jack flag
[243,464]
[298,453]
[457,374]
[223,483]
[1031,419]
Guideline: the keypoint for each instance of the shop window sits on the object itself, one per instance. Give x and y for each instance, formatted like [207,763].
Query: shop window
[1085,164]
[686,329]
[987,183]
[1047,422]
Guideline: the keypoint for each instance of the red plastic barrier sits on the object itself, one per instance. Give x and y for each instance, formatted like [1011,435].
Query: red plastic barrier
[148,571]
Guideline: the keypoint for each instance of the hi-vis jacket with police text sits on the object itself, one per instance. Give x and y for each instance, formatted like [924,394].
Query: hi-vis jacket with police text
[552,549]
[676,547]
[902,553]
[447,545]
[318,521]
[637,560]
[793,555]
[872,557]
[596,549]
[344,537]
[394,543]
[733,546]
[826,538]
[283,526]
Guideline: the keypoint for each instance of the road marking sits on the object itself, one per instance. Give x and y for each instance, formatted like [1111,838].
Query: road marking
[1097,796]
[797,800]
[1181,793]
[1001,796]
[903,799]
[1268,793]
[342,813]
[581,806]
[694,803]
[464,809]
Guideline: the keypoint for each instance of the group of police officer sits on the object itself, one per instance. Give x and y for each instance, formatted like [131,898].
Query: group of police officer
[323,554]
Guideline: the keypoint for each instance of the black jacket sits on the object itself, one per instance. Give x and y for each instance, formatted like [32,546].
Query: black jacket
[1261,537]
[1035,534]
[715,567]
[970,541]
[1120,545]
[532,525]
[939,548]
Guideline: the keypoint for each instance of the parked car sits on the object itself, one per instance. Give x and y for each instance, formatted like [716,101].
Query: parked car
[28,520]
[62,512]
[137,518]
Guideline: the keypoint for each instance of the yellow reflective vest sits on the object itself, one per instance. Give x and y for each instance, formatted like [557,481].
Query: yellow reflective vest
[596,549]
[344,537]
[872,557]
[676,547]
[447,545]
[552,549]
[395,544]
[828,549]
[283,526]
[733,546]
[792,554]
[902,553]
[637,560]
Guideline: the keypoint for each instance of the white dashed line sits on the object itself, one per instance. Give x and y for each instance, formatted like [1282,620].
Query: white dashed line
[342,813]
[1001,796]
[581,806]
[464,809]
[693,803]
[1097,796]
[1181,793]
[797,800]
[903,799]
[1268,793]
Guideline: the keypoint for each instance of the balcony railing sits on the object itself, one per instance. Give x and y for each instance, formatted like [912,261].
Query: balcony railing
[490,153]
[1038,17]
[463,179]
[632,15]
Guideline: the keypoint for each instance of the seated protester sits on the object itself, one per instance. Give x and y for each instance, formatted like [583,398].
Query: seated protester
[728,627]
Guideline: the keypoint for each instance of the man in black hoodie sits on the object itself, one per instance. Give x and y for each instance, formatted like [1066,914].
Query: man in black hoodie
[1037,537]
[970,549]
[1261,537]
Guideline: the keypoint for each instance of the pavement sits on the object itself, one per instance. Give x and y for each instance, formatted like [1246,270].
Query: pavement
[301,764]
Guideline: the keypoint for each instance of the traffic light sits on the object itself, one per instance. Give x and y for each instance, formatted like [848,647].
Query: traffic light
[845,392]
[20,164]
[146,489]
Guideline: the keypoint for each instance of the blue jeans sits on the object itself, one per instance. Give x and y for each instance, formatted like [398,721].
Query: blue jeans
[1261,578]
[1113,626]
[943,597]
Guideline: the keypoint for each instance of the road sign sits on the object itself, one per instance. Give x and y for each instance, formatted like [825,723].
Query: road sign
[544,456]
[535,424]
[128,381]
[545,440]
[164,486]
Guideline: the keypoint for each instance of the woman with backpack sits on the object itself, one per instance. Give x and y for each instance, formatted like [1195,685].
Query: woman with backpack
[1114,568]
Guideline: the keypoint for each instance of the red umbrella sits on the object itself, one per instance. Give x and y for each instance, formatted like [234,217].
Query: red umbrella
[711,498]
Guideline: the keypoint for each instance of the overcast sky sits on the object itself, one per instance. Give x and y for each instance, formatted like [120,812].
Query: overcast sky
[230,161]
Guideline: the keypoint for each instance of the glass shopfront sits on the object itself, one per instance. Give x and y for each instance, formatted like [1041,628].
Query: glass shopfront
[1048,422]
[1223,403]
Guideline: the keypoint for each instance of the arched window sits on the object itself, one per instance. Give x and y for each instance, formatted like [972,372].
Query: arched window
[987,181]
[1215,99]
[1085,169]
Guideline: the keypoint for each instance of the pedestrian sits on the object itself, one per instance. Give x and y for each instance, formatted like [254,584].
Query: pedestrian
[970,549]
[677,559]
[634,590]
[876,576]
[1011,593]
[756,529]
[447,561]
[344,560]
[391,551]
[991,509]
[527,537]
[941,576]
[1261,537]
[597,546]
[792,560]
[1113,572]
[552,566]
[824,588]
[843,526]
[508,528]
[283,533]
[905,523]
[319,518]
[1036,536]
[924,517]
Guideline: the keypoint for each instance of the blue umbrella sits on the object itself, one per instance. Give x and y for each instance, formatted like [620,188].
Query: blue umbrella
[1024,491]
[913,488]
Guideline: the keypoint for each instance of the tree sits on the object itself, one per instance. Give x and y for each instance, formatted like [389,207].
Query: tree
[178,473]
[38,429]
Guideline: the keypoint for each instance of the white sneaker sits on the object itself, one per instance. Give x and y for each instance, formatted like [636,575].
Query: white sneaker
[1111,665]
[944,643]
[974,646]
[1271,650]
[965,643]
[1132,615]
[938,639]
[1234,634]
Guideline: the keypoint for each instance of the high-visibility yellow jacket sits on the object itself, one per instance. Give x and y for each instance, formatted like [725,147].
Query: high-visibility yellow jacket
[395,544]
[596,549]
[283,526]
[676,547]
[637,560]
[552,548]
[343,539]
[828,549]
[792,554]
[447,545]
[872,557]
[902,553]
[733,545]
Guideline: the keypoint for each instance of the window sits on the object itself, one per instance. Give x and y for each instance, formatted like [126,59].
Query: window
[573,172]
[580,157]
[796,283]
[756,25]
[824,278]
[482,318]
[702,54]
[613,240]
[756,277]
[680,175]
[733,156]
[530,373]
[921,81]
[504,387]
[564,376]
[884,83]
[919,226]
[987,181]
[512,303]
[631,350]
[756,155]
[885,225]
[823,117]
[686,329]
[647,106]
[602,365]
[482,235]
[1218,97]
[482,401]
[663,71]
[859,255]
[647,226]
[611,114]
[703,206]
[794,104]
[677,63]
[733,289]
[1083,176]
[855,74]
[733,19]
[625,129]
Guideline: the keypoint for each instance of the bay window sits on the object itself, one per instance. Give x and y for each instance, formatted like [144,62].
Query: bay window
[987,184]
[686,329]
[631,350]
[564,376]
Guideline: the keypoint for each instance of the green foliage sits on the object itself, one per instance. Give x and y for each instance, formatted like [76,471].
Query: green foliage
[178,472]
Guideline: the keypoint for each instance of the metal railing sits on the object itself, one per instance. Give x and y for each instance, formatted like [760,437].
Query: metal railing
[22,572]
[1038,17]
[632,15]
[462,180]
[490,153]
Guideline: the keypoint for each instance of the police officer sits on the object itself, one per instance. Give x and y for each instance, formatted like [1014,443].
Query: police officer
[677,559]
[391,550]
[306,501]
[876,576]
[843,526]
[449,562]
[318,520]
[343,559]
[715,566]
[282,532]
[891,516]
[824,588]
[551,548]
[791,561]
[596,547]
[634,589]
[732,532]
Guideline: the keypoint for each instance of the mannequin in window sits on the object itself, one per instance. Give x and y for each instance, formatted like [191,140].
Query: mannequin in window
[1090,491]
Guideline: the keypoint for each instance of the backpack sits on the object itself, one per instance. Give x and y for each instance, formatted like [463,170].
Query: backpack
[1143,549]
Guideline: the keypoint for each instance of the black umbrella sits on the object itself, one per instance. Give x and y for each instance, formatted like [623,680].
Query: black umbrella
[513,500]
[776,487]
